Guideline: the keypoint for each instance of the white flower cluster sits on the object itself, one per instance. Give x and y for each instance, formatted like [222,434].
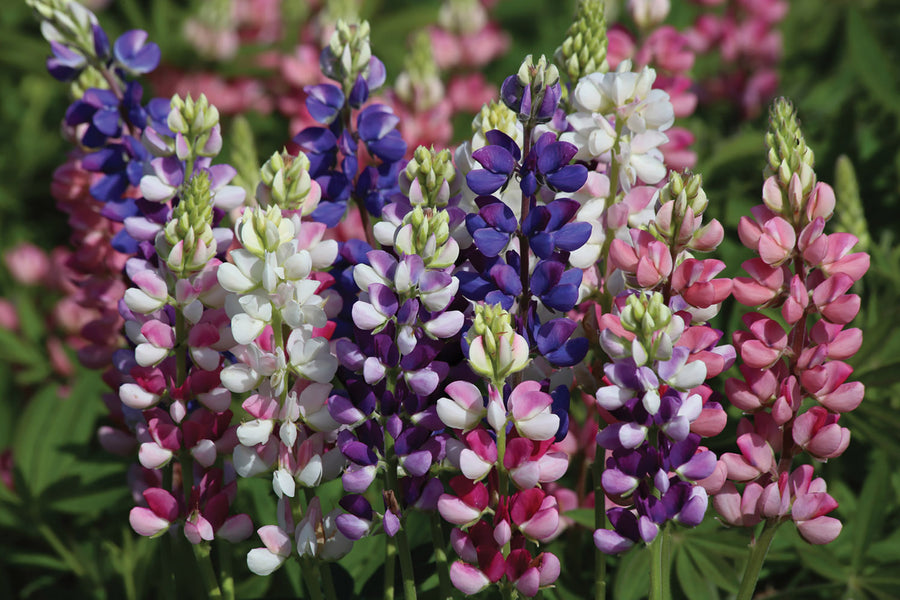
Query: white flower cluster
[622,106]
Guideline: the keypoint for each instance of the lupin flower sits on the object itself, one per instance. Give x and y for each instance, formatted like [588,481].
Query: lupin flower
[785,367]
[651,395]
[621,118]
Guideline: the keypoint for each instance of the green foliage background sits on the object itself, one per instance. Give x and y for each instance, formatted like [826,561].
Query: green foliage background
[65,527]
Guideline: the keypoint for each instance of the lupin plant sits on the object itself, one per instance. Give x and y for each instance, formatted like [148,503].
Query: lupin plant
[794,379]
[551,261]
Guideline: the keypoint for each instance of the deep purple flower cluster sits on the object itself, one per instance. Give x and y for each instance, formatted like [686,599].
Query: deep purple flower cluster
[109,122]
[334,149]
[495,273]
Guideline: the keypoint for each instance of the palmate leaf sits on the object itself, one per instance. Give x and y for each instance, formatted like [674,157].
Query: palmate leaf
[631,581]
[49,424]
[694,583]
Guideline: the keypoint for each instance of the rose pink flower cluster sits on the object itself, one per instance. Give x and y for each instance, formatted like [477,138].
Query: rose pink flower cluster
[746,38]
[808,275]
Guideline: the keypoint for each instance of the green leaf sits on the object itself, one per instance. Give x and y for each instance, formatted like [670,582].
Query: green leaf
[582,516]
[24,558]
[693,584]
[872,67]
[631,581]
[714,567]
[873,503]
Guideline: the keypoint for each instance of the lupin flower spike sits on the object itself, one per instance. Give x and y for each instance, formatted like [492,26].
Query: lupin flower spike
[348,58]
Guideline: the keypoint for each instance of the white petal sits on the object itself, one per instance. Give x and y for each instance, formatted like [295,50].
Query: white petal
[283,483]
[140,302]
[263,562]
[134,396]
[239,378]
[311,475]
[247,462]
[245,328]
[147,354]
[255,432]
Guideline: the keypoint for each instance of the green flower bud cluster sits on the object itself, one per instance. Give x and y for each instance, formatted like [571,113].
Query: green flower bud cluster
[187,243]
[87,79]
[788,153]
[66,22]
[494,115]
[682,201]
[198,123]
[419,63]
[434,172]
[687,191]
[583,51]
[851,218]
[263,230]
[645,314]
[426,232]
[501,351]
[285,182]
[538,76]
[350,53]
[243,156]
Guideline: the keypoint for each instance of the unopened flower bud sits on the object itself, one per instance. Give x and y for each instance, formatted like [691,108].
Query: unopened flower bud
[851,217]
[787,150]
[264,230]
[188,243]
[496,351]
[285,182]
[428,177]
[534,92]
[495,115]
[347,54]
[583,51]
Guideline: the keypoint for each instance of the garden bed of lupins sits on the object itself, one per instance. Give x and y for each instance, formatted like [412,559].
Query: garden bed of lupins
[584,322]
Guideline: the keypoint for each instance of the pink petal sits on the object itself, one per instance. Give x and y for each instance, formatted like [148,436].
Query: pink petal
[467,578]
[821,530]
[145,522]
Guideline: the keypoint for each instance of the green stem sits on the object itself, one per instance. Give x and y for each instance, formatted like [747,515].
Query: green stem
[757,558]
[207,573]
[406,566]
[656,568]
[599,523]
[328,582]
[390,483]
[390,564]
[667,564]
[225,571]
[311,577]
[440,556]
